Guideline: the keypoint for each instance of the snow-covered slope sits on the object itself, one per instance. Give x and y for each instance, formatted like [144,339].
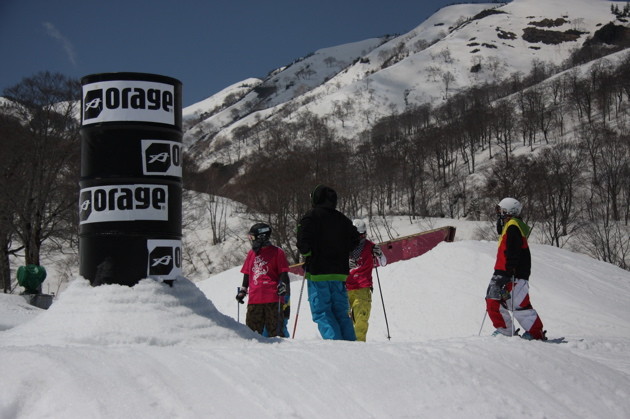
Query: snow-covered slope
[160,352]
[282,85]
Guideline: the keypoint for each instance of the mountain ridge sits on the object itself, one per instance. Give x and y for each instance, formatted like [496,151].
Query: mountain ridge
[459,46]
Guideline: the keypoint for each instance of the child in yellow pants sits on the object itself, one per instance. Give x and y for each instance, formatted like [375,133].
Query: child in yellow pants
[359,282]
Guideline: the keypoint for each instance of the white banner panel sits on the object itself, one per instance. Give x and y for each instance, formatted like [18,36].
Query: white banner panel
[123,203]
[128,100]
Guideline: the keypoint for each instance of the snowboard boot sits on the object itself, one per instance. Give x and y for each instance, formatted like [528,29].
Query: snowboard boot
[505,332]
[528,336]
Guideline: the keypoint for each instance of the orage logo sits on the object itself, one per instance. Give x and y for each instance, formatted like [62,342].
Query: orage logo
[128,100]
[123,203]
[161,157]
[165,259]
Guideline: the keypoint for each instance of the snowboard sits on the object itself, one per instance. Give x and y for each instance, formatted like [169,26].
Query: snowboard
[556,340]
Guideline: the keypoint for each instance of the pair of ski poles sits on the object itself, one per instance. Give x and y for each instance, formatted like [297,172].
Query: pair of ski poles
[297,314]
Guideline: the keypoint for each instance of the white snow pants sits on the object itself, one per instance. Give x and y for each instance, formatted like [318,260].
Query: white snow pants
[519,304]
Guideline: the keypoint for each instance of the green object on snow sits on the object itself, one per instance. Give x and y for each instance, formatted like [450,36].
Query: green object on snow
[31,277]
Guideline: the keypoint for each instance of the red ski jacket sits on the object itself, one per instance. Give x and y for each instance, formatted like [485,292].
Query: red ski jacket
[361,275]
[513,256]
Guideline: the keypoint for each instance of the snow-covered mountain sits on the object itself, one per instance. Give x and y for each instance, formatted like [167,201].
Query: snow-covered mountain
[353,85]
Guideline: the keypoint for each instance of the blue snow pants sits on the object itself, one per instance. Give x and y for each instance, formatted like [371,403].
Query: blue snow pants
[330,309]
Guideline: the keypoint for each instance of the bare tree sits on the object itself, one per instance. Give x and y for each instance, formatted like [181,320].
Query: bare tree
[343,110]
[557,172]
[606,231]
[330,61]
[581,93]
[10,128]
[44,159]
[503,125]
[511,179]
[447,80]
[609,157]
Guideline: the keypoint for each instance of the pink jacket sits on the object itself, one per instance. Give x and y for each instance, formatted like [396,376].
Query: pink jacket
[264,270]
[361,275]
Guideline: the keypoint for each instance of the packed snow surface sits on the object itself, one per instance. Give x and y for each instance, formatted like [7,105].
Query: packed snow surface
[154,351]
[161,352]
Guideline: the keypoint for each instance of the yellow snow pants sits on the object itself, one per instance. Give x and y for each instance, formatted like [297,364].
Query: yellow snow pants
[360,307]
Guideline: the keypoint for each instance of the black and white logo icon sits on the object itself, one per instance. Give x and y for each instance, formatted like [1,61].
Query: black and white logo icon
[123,203]
[85,205]
[165,259]
[160,157]
[92,104]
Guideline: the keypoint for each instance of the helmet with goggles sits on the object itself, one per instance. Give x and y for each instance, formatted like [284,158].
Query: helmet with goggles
[259,231]
[360,225]
[509,207]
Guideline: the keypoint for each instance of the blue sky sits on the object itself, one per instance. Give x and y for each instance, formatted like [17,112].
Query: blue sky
[207,45]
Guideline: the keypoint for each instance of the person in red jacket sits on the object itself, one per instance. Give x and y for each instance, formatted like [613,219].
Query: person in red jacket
[509,285]
[266,279]
[359,282]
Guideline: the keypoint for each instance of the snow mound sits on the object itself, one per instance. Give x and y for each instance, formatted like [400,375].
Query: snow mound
[150,313]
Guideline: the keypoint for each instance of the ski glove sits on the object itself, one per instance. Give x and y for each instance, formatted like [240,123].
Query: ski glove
[242,292]
[497,289]
[305,266]
[379,256]
[282,288]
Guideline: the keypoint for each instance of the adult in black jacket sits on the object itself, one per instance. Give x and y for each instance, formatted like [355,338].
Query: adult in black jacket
[325,238]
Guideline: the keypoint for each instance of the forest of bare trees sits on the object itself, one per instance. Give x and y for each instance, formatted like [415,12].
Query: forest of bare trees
[559,142]
[571,171]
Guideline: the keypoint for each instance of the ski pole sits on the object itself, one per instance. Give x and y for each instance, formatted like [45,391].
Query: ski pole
[485,314]
[512,297]
[297,314]
[382,301]
[238,307]
[279,328]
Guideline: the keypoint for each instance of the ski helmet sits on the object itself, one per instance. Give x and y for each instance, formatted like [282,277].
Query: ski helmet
[510,206]
[260,231]
[259,236]
[360,225]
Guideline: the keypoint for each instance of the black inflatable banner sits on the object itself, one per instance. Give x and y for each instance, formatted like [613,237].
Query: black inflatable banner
[130,203]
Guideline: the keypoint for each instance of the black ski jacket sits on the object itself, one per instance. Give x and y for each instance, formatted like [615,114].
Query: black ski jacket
[325,238]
